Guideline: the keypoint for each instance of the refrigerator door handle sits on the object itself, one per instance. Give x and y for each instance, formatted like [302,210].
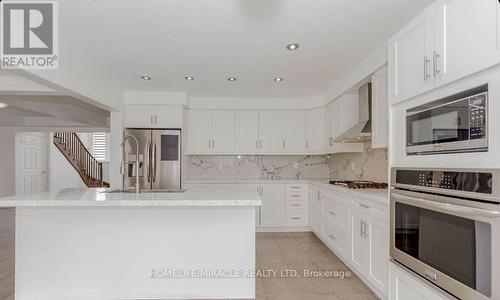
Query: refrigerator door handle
[150,160]
[154,161]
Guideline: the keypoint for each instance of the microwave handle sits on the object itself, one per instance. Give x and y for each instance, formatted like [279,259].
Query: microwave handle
[451,208]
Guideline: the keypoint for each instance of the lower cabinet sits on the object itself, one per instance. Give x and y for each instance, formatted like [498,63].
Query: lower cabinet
[405,286]
[273,204]
[356,230]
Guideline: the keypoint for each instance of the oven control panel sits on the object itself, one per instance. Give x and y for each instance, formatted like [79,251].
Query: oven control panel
[477,182]
[477,116]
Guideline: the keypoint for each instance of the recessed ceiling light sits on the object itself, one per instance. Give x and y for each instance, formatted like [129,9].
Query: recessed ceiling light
[293,46]
[3,105]
[231,79]
[189,78]
[145,77]
[279,79]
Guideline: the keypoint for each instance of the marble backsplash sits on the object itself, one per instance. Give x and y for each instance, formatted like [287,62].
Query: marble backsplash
[370,165]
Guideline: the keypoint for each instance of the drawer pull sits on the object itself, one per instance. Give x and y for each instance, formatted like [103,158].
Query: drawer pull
[331,236]
[296,196]
[364,206]
[295,187]
[296,205]
[296,218]
[331,213]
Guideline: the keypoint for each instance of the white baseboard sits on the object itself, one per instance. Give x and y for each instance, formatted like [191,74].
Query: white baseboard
[283,229]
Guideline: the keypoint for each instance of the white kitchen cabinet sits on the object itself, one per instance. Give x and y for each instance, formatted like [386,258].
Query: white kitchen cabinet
[329,126]
[359,245]
[199,131]
[247,132]
[211,132]
[153,116]
[168,116]
[380,109]
[410,58]
[294,131]
[315,130]
[467,36]
[250,188]
[273,204]
[270,132]
[336,120]
[223,131]
[405,286]
[449,40]
[315,210]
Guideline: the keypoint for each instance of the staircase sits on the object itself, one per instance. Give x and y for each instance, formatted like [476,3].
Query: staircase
[89,169]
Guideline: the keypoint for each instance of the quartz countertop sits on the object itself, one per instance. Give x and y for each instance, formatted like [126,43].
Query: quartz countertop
[195,196]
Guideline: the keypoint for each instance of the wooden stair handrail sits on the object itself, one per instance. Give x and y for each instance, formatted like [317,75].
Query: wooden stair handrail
[89,168]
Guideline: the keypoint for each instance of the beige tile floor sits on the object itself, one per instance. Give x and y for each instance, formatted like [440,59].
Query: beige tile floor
[303,251]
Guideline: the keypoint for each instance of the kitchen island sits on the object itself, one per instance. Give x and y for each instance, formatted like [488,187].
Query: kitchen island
[89,244]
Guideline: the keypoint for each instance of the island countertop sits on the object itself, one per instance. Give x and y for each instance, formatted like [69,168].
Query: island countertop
[194,196]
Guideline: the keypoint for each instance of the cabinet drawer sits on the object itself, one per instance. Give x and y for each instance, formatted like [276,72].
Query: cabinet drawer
[338,240]
[296,187]
[370,208]
[337,197]
[336,215]
[294,196]
[296,218]
[296,204]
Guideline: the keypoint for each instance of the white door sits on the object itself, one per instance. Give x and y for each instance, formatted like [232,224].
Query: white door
[247,132]
[168,116]
[199,131]
[294,131]
[359,245]
[223,131]
[410,58]
[315,130]
[467,37]
[273,204]
[139,116]
[380,109]
[378,253]
[270,131]
[31,163]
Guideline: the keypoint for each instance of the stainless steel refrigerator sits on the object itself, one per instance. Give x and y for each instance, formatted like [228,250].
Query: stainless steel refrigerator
[159,159]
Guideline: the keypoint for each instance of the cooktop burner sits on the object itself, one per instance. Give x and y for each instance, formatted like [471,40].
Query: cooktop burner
[359,184]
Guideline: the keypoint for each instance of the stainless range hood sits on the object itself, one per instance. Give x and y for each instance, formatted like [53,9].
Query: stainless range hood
[362,131]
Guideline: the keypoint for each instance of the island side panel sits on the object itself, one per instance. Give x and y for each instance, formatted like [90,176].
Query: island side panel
[111,253]
[7,252]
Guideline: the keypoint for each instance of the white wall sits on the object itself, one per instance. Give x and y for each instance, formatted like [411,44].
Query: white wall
[7,162]
[61,172]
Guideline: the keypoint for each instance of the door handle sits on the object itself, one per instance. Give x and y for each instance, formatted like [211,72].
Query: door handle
[435,59]
[426,68]
[260,144]
[307,144]
[361,227]
[151,119]
[154,169]
[156,119]
[150,161]
[284,145]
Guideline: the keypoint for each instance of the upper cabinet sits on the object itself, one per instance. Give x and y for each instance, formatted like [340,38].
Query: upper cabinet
[247,132]
[410,58]
[315,130]
[294,131]
[270,132]
[467,38]
[380,109]
[153,116]
[448,41]
[210,132]
[348,114]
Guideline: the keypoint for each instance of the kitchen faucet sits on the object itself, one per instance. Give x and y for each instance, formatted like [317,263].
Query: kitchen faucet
[137,188]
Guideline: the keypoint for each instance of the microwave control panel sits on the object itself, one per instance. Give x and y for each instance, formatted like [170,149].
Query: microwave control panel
[477,116]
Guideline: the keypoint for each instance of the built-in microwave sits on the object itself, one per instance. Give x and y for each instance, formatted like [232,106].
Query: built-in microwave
[454,124]
[445,227]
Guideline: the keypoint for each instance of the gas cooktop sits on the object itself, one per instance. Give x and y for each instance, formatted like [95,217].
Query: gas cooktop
[359,184]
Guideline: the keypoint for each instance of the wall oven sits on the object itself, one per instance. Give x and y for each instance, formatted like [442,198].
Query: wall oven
[445,226]
[454,124]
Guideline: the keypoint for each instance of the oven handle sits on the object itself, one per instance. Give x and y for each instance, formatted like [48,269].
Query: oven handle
[448,207]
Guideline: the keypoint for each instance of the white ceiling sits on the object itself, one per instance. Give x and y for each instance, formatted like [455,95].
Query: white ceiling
[213,40]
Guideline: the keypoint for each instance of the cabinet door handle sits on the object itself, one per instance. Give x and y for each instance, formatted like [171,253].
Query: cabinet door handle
[361,228]
[331,213]
[284,145]
[426,68]
[435,59]
[365,229]
[296,218]
[260,144]
[307,144]
[296,196]
[156,119]
[151,119]
[331,236]
[213,144]
[364,206]
[295,205]
[209,144]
